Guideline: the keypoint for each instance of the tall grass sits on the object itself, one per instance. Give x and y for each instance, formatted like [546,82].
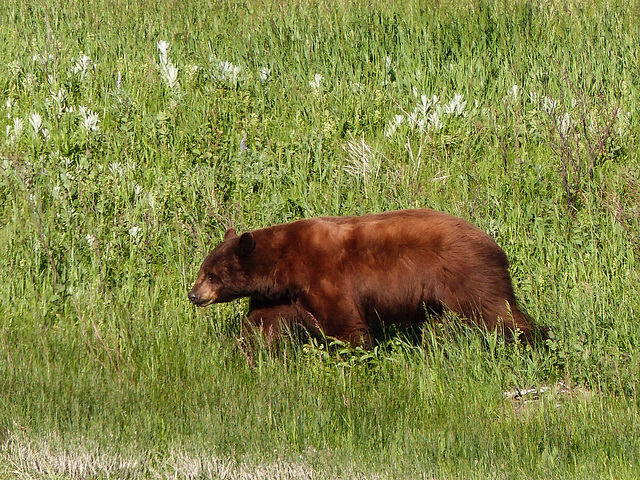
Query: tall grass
[132,134]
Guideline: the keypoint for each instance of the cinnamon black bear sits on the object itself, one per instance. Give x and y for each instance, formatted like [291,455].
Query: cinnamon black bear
[344,276]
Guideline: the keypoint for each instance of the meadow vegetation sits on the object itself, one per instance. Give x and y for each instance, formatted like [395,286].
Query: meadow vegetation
[132,133]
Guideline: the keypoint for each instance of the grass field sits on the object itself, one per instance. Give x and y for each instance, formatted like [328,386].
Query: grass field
[132,133]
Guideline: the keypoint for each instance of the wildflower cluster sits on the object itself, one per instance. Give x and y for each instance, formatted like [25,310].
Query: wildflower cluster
[47,127]
[429,114]
[56,108]
[90,120]
[226,74]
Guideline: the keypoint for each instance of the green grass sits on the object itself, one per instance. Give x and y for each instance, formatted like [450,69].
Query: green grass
[281,112]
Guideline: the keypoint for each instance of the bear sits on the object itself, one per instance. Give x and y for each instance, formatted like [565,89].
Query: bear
[346,277]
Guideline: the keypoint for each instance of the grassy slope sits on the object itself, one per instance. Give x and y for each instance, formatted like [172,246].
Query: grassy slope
[103,232]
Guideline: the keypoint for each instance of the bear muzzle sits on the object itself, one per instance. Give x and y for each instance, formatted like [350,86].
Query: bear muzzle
[201,300]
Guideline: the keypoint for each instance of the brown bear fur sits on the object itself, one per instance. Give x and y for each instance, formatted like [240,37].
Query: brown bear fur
[344,276]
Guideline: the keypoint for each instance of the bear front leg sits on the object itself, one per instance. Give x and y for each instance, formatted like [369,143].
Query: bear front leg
[508,319]
[269,320]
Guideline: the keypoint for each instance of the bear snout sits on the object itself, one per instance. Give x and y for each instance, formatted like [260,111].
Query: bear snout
[202,296]
[194,297]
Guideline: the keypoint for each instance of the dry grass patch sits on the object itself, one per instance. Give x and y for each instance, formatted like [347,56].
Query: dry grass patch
[526,402]
[54,457]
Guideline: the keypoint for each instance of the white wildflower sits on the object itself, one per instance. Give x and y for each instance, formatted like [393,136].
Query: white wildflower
[116,168]
[90,119]
[13,133]
[59,96]
[134,231]
[316,82]
[456,106]
[424,105]
[515,93]
[171,76]
[229,73]
[414,118]
[36,122]
[434,120]
[393,125]
[265,74]
[168,70]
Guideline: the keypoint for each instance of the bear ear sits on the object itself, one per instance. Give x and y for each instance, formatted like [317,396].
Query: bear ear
[230,233]
[246,244]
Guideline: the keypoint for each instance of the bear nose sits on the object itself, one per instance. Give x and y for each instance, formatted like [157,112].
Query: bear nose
[193,296]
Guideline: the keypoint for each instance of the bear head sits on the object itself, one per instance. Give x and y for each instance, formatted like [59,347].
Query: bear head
[222,278]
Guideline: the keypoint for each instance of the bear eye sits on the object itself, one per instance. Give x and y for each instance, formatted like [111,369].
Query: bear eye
[211,277]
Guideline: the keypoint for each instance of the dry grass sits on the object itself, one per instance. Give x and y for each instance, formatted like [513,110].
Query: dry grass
[54,457]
